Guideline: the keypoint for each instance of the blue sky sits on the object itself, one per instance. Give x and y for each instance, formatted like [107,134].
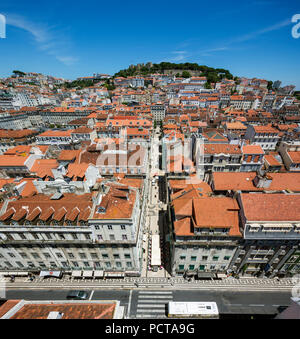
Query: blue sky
[71,39]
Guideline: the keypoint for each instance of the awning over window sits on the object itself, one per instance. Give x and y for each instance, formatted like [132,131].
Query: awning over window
[132,274]
[115,274]
[21,274]
[15,274]
[76,274]
[87,274]
[55,274]
[98,274]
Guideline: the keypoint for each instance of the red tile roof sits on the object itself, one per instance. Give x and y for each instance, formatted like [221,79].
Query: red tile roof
[116,204]
[265,129]
[58,134]
[272,161]
[44,207]
[68,155]
[253,149]
[271,207]
[295,157]
[73,310]
[242,181]
[206,212]
[12,161]
[82,130]
[77,170]
[217,212]
[221,148]
[7,306]
[43,167]
[19,134]
[25,150]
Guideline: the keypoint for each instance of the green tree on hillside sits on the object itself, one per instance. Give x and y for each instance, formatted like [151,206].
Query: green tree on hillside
[213,75]
[19,73]
[270,85]
[186,74]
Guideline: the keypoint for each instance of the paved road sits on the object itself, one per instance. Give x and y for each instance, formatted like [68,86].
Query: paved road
[153,304]
[156,283]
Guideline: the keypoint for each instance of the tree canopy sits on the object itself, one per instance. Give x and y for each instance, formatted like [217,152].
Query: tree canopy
[213,74]
[19,73]
[78,84]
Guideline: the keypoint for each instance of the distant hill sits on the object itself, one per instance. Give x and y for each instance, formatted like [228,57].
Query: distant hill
[181,70]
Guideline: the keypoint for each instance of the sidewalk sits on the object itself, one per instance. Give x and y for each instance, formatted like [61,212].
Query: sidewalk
[156,283]
[154,225]
[152,220]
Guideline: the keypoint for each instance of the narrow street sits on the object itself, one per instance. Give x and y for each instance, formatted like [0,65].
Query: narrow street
[154,219]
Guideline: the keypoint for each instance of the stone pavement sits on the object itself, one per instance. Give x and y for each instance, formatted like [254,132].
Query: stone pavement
[153,208]
[250,284]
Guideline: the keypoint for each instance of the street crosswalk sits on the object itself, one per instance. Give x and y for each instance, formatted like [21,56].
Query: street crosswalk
[153,304]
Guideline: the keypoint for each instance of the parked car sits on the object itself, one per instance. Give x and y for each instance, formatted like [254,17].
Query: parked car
[77,295]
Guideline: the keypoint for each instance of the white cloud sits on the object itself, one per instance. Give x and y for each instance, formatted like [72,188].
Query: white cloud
[230,44]
[46,38]
[256,34]
[180,55]
[69,61]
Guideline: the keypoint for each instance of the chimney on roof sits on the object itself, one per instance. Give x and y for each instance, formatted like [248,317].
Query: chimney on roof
[262,181]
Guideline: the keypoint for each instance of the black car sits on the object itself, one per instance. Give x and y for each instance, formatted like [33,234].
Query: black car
[77,295]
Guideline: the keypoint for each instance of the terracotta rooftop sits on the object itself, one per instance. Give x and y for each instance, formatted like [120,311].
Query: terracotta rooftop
[253,149]
[192,191]
[236,125]
[68,155]
[272,161]
[4,182]
[192,181]
[221,148]
[53,133]
[43,167]
[271,207]
[13,161]
[19,134]
[118,203]
[25,150]
[130,182]
[71,310]
[295,157]
[265,129]
[243,181]
[29,189]
[219,212]
[214,136]
[137,131]
[43,207]
[77,170]
[82,130]
[206,212]
[183,227]
[7,306]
